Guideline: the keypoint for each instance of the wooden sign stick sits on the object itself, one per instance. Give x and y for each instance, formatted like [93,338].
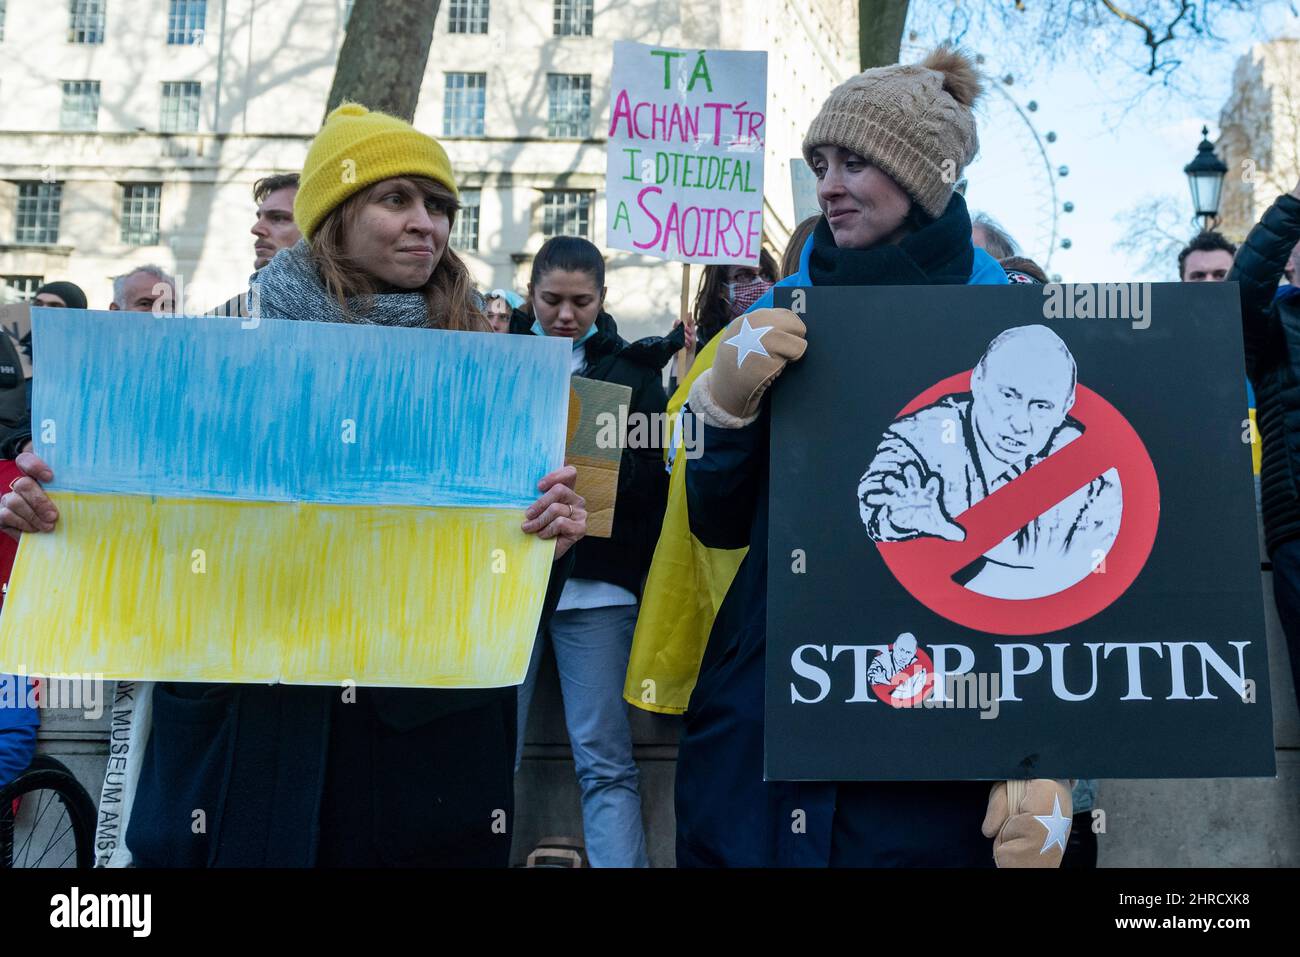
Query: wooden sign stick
[685,356]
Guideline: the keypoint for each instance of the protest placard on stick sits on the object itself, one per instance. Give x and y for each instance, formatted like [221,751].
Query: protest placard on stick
[684,172]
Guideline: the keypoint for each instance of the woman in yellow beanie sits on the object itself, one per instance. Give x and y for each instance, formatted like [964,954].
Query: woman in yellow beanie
[396,776]
[375,207]
[295,776]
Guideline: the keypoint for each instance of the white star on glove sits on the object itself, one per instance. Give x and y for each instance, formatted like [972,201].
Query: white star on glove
[1057,824]
[748,340]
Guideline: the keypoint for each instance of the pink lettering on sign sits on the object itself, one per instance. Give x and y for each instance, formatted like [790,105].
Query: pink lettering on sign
[700,231]
[673,122]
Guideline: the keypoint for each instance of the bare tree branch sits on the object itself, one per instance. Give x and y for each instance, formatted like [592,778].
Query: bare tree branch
[1155,231]
[1105,31]
[1185,7]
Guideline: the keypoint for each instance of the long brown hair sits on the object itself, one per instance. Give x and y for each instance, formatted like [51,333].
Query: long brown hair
[449,294]
[710,311]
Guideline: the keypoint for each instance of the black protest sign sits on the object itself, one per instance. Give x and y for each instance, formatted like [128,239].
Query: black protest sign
[1009,538]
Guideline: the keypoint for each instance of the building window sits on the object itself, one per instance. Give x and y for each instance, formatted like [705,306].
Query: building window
[80,108]
[568,104]
[38,213]
[187,20]
[467,16]
[464,235]
[86,21]
[180,106]
[140,204]
[566,212]
[23,287]
[573,18]
[464,102]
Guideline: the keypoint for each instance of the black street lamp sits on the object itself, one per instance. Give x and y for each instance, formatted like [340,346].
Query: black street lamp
[1205,176]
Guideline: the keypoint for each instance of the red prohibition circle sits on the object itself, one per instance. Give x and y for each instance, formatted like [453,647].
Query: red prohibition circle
[925,566]
[885,692]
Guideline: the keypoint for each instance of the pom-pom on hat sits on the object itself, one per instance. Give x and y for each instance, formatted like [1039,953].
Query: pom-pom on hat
[915,122]
[356,148]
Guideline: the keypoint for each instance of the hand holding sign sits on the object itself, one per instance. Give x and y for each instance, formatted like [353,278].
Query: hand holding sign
[1034,832]
[913,504]
[690,335]
[26,507]
[754,351]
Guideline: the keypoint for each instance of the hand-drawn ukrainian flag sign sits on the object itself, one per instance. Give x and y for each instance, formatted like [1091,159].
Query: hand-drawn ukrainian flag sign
[300,502]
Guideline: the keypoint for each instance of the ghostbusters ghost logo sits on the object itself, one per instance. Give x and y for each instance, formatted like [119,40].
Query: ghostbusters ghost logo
[903,675]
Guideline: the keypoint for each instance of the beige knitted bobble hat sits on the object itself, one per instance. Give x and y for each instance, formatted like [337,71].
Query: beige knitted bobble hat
[914,122]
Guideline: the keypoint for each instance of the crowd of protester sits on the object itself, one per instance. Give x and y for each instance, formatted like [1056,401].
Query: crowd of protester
[414,776]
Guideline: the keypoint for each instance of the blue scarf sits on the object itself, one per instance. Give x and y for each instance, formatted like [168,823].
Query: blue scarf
[539,331]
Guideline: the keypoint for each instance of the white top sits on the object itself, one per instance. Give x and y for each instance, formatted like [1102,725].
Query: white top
[589,593]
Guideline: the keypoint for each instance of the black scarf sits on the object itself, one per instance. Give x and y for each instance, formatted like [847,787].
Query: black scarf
[938,254]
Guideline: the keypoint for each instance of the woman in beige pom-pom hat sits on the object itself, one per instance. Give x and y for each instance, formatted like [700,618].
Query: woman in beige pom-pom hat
[888,147]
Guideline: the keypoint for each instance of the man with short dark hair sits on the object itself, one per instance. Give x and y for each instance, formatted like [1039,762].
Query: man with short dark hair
[275,228]
[1207,258]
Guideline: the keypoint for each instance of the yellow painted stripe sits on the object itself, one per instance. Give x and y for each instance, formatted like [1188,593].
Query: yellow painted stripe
[207,590]
[1256,446]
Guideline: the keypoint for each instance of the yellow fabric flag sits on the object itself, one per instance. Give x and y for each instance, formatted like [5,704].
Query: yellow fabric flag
[683,592]
[1256,446]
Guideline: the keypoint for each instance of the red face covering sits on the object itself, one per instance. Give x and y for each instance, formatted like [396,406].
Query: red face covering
[742,295]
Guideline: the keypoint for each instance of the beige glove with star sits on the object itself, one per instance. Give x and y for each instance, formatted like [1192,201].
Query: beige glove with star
[754,350]
[1029,822]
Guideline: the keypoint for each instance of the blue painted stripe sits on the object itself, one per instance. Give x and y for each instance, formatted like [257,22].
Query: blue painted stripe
[199,406]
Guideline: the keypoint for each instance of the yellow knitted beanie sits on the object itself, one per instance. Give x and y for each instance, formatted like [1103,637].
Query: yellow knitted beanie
[357,148]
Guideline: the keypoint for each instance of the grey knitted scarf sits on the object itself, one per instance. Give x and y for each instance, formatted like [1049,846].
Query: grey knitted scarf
[289,287]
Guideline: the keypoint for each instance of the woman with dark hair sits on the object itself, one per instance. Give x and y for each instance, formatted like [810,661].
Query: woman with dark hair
[304,775]
[727,291]
[591,630]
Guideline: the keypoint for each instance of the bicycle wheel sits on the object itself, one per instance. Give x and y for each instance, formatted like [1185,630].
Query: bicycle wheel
[46,819]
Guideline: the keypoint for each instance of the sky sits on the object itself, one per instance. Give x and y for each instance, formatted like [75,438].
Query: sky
[1119,148]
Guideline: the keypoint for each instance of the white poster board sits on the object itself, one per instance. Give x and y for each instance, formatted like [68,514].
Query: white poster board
[684,162]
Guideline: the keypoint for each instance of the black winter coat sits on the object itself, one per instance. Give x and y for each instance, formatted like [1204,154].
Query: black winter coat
[1271,332]
[623,559]
[727,814]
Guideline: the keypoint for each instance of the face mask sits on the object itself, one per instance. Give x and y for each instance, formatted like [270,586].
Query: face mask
[742,295]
